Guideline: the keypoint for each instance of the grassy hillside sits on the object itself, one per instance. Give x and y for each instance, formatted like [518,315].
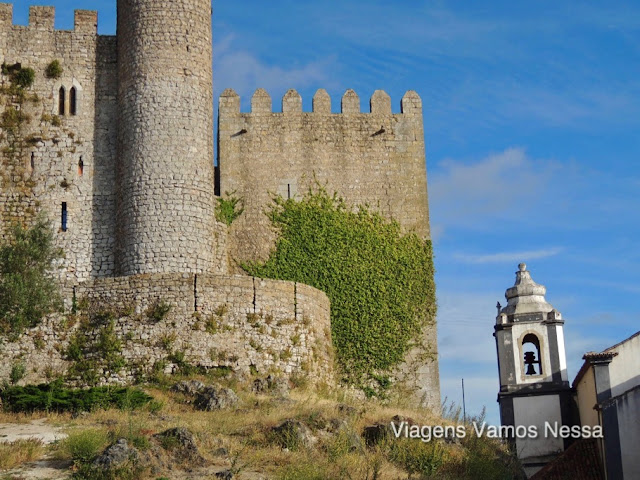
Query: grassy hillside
[303,435]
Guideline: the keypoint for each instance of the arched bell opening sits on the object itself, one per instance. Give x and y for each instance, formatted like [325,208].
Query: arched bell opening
[531,355]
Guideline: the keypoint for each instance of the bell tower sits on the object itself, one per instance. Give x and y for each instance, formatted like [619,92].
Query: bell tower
[534,388]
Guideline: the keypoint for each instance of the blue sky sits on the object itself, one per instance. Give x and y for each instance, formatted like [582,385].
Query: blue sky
[532,114]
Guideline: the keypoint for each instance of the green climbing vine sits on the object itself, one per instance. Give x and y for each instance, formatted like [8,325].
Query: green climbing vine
[379,280]
[228,208]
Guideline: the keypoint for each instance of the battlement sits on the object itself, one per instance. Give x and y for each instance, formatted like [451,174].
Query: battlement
[379,104]
[43,19]
[332,148]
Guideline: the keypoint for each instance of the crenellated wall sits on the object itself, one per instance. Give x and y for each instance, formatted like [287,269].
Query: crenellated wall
[45,171]
[375,158]
[133,166]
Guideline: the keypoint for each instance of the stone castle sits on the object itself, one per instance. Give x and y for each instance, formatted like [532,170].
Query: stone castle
[119,151]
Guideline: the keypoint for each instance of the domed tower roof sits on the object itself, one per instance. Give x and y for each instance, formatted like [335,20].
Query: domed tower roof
[526,297]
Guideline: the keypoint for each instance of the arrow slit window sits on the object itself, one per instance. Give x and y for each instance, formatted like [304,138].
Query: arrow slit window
[61,95]
[73,101]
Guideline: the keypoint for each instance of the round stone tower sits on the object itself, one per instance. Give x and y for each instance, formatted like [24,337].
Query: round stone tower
[165,137]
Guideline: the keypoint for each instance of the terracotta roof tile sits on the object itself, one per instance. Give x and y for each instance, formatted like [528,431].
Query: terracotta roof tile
[581,460]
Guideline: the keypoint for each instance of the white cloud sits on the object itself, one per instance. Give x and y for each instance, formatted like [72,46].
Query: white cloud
[245,73]
[510,191]
[632,287]
[566,106]
[507,183]
[507,257]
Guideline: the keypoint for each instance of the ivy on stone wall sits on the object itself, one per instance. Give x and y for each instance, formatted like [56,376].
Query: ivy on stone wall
[379,280]
[228,208]
[27,291]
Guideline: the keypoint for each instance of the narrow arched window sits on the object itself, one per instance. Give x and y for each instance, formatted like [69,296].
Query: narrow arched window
[531,355]
[32,162]
[61,94]
[72,101]
[80,167]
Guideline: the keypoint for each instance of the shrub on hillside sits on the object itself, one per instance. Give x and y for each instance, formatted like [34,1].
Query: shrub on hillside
[53,397]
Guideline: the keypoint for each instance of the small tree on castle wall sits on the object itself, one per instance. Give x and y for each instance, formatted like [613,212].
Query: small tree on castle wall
[27,291]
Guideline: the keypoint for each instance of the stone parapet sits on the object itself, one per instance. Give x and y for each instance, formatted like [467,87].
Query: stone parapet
[244,324]
[43,18]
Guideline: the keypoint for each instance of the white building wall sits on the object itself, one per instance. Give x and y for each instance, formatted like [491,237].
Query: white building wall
[624,370]
[536,411]
[629,427]
[561,352]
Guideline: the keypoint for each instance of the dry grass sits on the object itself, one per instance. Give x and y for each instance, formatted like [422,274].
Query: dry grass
[21,451]
[52,418]
[6,417]
[246,434]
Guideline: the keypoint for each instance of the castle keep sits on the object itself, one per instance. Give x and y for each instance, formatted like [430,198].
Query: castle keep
[119,151]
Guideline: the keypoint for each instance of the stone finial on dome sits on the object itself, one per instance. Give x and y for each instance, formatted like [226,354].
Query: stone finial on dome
[526,296]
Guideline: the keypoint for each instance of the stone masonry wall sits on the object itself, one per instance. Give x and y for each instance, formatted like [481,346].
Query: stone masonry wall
[45,170]
[245,324]
[165,139]
[375,158]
